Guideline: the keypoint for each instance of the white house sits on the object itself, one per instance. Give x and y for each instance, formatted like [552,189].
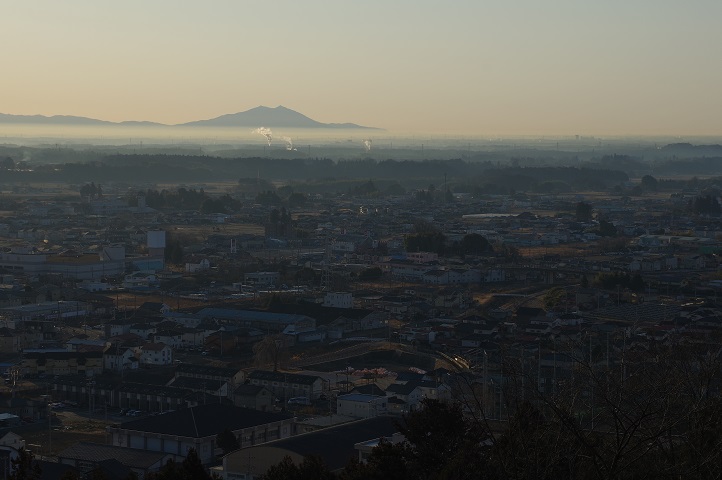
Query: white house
[156,354]
[197,264]
[123,359]
[411,393]
[193,337]
[172,338]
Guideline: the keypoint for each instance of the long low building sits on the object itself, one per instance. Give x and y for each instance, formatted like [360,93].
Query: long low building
[288,385]
[87,457]
[62,363]
[78,266]
[196,427]
[47,311]
[138,396]
[266,321]
[336,446]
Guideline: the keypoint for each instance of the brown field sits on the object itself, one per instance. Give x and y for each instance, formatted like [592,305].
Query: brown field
[567,250]
[69,427]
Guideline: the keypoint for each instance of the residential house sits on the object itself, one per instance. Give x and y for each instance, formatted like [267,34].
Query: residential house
[143,330]
[196,264]
[256,397]
[156,354]
[119,326]
[410,392]
[171,337]
[117,359]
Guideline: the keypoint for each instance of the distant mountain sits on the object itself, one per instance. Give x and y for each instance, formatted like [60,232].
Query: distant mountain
[54,120]
[255,117]
[268,117]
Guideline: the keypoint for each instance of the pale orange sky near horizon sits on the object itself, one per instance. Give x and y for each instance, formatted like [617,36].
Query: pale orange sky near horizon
[472,67]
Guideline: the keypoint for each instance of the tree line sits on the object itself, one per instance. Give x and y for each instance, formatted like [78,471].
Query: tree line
[651,413]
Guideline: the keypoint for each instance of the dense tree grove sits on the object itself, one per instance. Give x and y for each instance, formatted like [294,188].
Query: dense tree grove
[91,190]
[311,468]
[583,212]
[370,273]
[365,189]
[643,414]
[190,468]
[606,229]
[227,441]
[706,205]
[173,250]
[7,163]
[649,183]
[269,197]
[425,238]
[25,467]
[610,281]
[272,350]
[473,244]
[190,199]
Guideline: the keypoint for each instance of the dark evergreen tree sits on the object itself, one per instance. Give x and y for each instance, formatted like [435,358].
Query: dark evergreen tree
[227,441]
[25,467]
[583,212]
[192,468]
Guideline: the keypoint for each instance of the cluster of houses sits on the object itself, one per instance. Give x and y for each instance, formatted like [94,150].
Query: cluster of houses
[131,362]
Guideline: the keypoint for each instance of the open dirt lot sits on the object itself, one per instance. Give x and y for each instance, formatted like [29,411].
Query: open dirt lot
[68,428]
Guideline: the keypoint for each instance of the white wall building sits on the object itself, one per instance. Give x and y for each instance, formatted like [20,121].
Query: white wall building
[338,300]
[263,278]
[358,405]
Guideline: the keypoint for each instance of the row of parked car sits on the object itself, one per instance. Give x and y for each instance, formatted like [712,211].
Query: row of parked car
[130,413]
[137,413]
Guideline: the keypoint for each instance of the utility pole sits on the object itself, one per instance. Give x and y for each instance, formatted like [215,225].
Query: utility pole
[50,429]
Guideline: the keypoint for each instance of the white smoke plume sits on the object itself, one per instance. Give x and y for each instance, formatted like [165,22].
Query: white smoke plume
[266,132]
[289,144]
[367,144]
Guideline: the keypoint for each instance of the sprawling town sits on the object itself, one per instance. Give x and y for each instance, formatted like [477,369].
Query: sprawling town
[253,321]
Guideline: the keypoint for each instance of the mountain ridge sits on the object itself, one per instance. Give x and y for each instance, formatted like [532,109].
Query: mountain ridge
[261,116]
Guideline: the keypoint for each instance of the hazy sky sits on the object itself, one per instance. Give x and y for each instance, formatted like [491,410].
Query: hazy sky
[483,67]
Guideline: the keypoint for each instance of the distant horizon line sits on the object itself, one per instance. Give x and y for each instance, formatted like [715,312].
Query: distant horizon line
[293,119]
[17,120]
